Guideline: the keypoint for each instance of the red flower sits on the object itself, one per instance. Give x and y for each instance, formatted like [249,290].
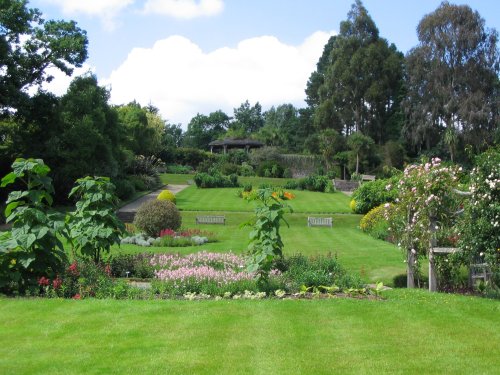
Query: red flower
[107,269]
[56,283]
[77,296]
[73,269]
[43,281]
[167,232]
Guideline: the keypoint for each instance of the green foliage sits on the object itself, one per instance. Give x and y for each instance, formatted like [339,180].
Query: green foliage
[132,265]
[375,223]
[166,195]
[155,215]
[374,193]
[32,248]
[30,45]
[205,180]
[265,239]
[270,169]
[356,86]
[425,195]
[479,228]
[124,188]
[93,227]
[299,270]
[455,46]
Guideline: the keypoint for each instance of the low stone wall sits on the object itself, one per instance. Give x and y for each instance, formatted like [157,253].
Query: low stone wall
[345,185]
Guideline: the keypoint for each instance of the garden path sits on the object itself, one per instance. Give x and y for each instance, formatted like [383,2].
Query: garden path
[130,209]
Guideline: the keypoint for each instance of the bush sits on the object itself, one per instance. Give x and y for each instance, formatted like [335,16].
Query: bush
[166,195]
[375,224]
[316,183]
[315,271]
[292,185]
[132,265]
[270,169]
[138,182]
[374,193]
[246,170]
[205,180]
[179,169]
[155,215]
[125,188]
[229,168]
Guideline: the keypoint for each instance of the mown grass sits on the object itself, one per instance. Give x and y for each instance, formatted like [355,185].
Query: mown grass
[194,199]
[412,332]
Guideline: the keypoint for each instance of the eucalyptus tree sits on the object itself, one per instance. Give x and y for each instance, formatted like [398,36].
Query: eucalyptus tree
[359,79]
[453,80]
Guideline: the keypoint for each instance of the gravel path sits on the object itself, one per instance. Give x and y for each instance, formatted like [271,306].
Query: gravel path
[133,206]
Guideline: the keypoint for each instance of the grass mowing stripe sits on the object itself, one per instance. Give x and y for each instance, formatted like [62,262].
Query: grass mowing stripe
[411,332]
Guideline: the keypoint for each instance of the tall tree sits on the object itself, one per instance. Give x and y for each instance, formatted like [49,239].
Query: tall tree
[203,129]
[453,83]
[247,119]
[29,45]
[282,128]
[89,143]
[358,82]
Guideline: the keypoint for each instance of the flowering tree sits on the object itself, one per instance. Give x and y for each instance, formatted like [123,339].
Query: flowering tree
[480,227]
[426,202]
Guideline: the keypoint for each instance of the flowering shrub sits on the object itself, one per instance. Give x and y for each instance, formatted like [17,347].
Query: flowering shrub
[425,192]
[480,227]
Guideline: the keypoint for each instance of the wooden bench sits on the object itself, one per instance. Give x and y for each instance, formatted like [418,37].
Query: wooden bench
[319,222]
[368,177]
[211,219]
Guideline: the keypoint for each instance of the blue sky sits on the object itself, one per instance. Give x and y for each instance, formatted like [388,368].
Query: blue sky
[198,56]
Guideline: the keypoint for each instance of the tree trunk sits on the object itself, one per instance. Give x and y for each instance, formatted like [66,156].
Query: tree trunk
[410,278]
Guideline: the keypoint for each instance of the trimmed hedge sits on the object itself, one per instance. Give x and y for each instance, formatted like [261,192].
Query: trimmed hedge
[205,180]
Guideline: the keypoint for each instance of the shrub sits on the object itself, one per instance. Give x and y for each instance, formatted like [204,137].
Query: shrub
[132,265]
[375,223]
[300,270]
[229,168]
[480,226]
[138,182]
[374,193]
[246,170]
[287,173]
[124,188]
[316,183]
[166,195]
[179,169]
[270,168]
[247,187]
[291,185]
[205,180]
[155,215]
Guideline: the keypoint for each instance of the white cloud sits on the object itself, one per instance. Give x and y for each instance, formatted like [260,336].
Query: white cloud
[60,82]
[107,10]
[186,9]
[181,80]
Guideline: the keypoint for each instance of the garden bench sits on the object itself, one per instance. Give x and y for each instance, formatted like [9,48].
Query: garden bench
[211,219]
[319,222]
[368,177]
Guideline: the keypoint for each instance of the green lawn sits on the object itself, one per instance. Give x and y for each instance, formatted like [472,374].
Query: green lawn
[194,199]
[412,332]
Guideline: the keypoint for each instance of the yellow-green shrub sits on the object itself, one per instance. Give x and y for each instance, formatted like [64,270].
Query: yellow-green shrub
[375,223]
[166,195]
